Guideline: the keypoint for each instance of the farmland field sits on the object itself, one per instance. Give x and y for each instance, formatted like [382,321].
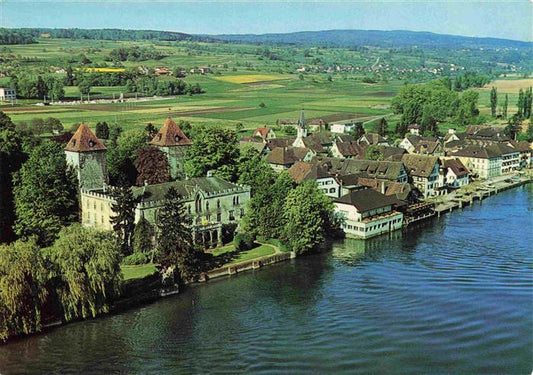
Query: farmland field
[244,86]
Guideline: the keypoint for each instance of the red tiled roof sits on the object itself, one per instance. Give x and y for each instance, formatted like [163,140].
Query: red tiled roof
[170,135]
[84,140]
[262,132]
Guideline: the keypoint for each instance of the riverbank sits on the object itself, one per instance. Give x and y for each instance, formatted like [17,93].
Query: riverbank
[477,191]
[143,291]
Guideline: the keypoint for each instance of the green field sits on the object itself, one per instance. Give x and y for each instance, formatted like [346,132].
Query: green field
[242,79]
[137,272]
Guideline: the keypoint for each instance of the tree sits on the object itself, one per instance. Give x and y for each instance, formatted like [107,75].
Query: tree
[38,126]
[307,213]
[11,158]
[86,271]
[264,214]
[120,157]
[45,194]
[214,149]
[152,166]
[150,130]
[358,131]
[142,236]
[514,125]
[84,85]
[69,78]
[528,97]
[252,169]
[42,90]
[102,130]
[467,107]
[53,124]
[123,220]
[373,153]
[175,244]
[382,126]
[493,101]
[505,105]
[520,104]
[22,288]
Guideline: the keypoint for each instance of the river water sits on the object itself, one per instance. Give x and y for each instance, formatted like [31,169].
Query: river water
[452,296]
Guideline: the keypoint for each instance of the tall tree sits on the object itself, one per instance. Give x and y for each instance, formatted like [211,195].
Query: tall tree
[253,169]
[505,105]
[120,158]
[86,271]
[22,288]
[143,236]
[123,220]
[175,243]
[307,213]
[528,97]
[382,126]
[373,153]
[46,194]
[152,166]
[214,149]
[520,104]
[493,101]
[11,158]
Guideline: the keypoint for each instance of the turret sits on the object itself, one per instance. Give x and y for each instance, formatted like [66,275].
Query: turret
[87,155]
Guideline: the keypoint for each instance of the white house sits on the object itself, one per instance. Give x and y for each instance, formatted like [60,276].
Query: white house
[7,93]
[368,213]
[455,175]
[342,127]
[424,172]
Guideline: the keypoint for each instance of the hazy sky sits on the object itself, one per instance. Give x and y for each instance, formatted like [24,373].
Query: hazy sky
[503,19]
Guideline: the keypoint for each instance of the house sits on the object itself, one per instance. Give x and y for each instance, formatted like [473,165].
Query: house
[368,213]
[424,172]
[7,93]
[455,175]
[383,170]
[489,161]
[264,133]
[347,149]
[210,201]
[404,191]
[409,142]
[317,125]
[414,129]
[171,140]
[342,127]
[282,158]
[391,153]
[162,70]
[327,183]
[205,70]
[372,139]
[486,133]
[524,148]
[426,147]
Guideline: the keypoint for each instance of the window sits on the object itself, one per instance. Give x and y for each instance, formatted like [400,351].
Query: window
[219,217]
[218,204]
[242,212]
[198,204]
[207,206]
[332,190]
[230,215]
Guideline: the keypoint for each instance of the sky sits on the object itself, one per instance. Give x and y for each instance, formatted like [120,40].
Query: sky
[511,19]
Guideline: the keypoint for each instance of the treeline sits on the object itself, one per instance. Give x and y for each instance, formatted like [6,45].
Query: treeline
[38,87]
[109,34]
[434,102]
[151,85]
[469,80]
[9,36]
[134,54]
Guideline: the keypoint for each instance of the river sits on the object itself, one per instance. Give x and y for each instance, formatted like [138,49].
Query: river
[452,296]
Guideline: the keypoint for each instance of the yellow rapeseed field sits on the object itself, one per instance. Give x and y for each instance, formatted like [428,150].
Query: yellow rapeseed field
[251,78]
[106,70]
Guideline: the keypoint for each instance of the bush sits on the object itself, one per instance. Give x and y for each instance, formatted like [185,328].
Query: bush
[243,241]
[136,259]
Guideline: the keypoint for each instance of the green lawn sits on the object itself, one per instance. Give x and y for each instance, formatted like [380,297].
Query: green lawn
[137,272]
[237,257]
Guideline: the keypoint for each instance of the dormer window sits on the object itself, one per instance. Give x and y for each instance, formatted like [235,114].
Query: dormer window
[73,142]
[91,143]
[177,138]
[159,136]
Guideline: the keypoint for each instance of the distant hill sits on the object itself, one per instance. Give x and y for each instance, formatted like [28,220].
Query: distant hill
[385,39]
[104,34]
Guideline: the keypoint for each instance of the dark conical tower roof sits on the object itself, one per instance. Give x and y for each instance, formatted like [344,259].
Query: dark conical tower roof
[84,140]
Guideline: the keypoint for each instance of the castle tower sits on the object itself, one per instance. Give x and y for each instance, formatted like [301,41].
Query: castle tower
[173,142]
[87,155]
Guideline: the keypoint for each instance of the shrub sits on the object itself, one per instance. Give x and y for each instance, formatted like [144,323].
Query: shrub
[136,259]
[243,241]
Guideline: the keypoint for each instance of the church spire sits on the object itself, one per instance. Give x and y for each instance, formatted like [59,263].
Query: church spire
[302,128]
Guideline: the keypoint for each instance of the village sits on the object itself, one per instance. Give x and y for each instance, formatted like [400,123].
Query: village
[402,185]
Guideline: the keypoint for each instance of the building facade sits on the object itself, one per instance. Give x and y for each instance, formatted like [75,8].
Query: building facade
[7,93]
[210,201]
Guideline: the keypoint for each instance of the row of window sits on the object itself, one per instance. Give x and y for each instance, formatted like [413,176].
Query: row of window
[370,228]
